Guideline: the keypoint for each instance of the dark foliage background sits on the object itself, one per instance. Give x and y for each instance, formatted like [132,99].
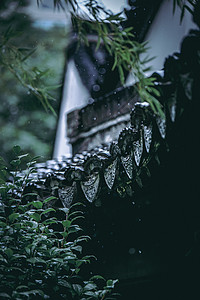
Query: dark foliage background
[23,119]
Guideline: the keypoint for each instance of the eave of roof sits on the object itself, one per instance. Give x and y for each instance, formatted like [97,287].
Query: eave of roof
[119,167]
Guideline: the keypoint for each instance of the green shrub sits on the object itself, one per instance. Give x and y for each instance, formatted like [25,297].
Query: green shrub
[38,261]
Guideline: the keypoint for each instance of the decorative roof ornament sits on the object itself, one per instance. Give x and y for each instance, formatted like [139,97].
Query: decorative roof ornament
[138,149]
[110,173]
[90,187]
[127,163]
[73,173]
[161,123]
[67,194]
[114,149]
[126,139]
[101,167]
[148,132]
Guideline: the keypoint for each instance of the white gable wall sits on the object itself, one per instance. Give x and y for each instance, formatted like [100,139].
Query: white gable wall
[74,96]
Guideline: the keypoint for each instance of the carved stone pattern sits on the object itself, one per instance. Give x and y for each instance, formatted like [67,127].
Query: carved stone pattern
[148,136]
[161,122]
[90,187]
[109,174]
[127,163]
[66,195]
[138,149]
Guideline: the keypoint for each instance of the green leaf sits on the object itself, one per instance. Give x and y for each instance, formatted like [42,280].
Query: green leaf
[77,288]
[64,209]
[3,260]
[16,149]
[84,238]
[4,296]
[90,287]
[75,213]
[59,260]
[15,162]
[77,218]
[32,292]
[29,194]
[49,199]
[23,155]
[182,14]
[53,87]
[92,294]
[13,217]
[3,224]
[36,217]
[28,250]
[121,74]
[77,204]
[18,256]
[64,234]
[29,54]
[174,6]
[48,210]
[74,228]
[189,9]
[77,248]
[97,277]
[111,283]
[9,252]
[37,204]
[32,260]
[66,224]
[17,225]
[22,287]
[50,221]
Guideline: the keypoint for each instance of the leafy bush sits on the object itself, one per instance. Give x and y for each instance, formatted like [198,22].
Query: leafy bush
[41,246]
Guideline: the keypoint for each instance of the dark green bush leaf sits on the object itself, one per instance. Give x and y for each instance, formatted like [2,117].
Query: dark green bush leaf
[36,217]
[97,277]
[4,296]
[77,288]
[50,221]
[37,204]
[90,287]
[64,234]
[66,224]
[13,217]
[49,199]
[48,210]
[9,252]
[111,283]
[16,149]
[15,163]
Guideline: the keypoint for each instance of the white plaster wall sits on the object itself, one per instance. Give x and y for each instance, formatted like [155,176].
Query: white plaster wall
[74,96]
[165,35]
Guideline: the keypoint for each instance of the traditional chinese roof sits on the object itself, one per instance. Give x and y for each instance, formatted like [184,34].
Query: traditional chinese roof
[123,165]
[105,168]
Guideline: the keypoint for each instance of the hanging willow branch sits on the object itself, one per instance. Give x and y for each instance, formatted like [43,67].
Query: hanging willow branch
[184,5]
[15,60]
[119,42]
